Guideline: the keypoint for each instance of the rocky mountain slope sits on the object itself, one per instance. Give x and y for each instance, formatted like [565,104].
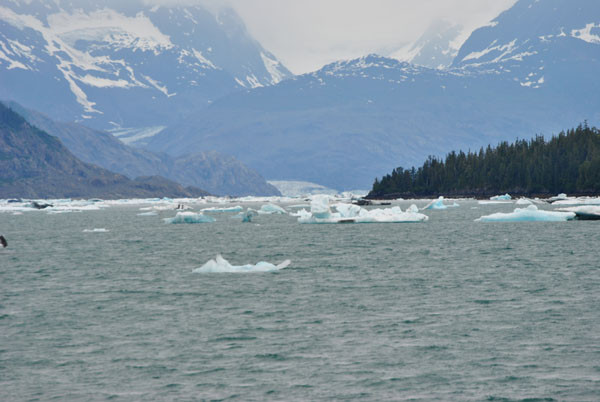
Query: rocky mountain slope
[37,165]
[214,172]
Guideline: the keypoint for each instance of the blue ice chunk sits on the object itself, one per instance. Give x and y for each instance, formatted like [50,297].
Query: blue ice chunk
[189,217]
[436,204]
[269,209]
[505,197]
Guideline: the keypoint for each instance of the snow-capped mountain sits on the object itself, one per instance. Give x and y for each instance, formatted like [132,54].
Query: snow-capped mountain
[354,120]
[539,43]
[126,66]
[436,48]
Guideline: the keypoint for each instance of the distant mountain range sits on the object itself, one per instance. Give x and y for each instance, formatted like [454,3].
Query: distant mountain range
[37,165]
[182,80]
[126,66]
[534,69]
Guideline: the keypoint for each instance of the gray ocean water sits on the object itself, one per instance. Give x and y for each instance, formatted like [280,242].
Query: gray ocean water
[449,309]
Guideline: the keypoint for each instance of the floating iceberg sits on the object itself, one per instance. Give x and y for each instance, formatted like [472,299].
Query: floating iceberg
[584,212]
[220,264]
[320,212]
[559,197]
[247,215]
[95,230]
[505,197]
[237,208]
[523,201]
[189,217]
[439,204]
[529,214]
[269,209]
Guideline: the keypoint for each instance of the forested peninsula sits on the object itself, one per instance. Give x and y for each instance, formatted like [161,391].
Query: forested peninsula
[569,162]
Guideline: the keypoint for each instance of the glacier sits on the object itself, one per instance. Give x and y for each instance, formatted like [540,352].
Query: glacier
[189,217]
[321,212]
[528,214]
[221,265]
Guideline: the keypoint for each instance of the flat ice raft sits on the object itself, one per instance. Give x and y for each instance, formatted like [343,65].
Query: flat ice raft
[189,217]
[321,212]
[529,214]
[220,264]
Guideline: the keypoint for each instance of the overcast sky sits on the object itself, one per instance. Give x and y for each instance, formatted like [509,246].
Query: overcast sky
[306,34]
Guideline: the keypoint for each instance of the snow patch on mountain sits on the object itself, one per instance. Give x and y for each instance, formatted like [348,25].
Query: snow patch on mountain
[274,68]
[109,28]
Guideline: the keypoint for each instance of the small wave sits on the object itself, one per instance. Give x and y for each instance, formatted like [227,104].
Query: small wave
[95,230]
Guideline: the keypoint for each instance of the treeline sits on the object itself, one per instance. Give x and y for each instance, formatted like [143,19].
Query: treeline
[569,163]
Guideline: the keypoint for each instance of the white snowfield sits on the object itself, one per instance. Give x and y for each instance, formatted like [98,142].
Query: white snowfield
[528,214]
[221,265]
[321,212]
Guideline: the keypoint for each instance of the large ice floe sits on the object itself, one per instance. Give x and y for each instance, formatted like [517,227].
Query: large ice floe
[321,212]
[528,214]
[439,204]
[221,265]
[189,217]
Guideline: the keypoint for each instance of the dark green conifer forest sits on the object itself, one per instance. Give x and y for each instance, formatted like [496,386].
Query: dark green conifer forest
[569,162]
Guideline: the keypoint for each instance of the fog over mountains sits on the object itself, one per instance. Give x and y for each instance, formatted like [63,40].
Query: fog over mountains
[183,80]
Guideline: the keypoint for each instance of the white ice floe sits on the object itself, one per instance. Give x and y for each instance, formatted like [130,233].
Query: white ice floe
[505,197]
[578,201]
[189,217]
[439,204]
[561,196]
[269,209]
[528,214]
[237,208]
[95,230]
[221,265]
[486,202]
[523,201]
[321,212]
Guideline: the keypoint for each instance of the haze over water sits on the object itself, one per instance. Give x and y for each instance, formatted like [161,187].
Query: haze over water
[447,309]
